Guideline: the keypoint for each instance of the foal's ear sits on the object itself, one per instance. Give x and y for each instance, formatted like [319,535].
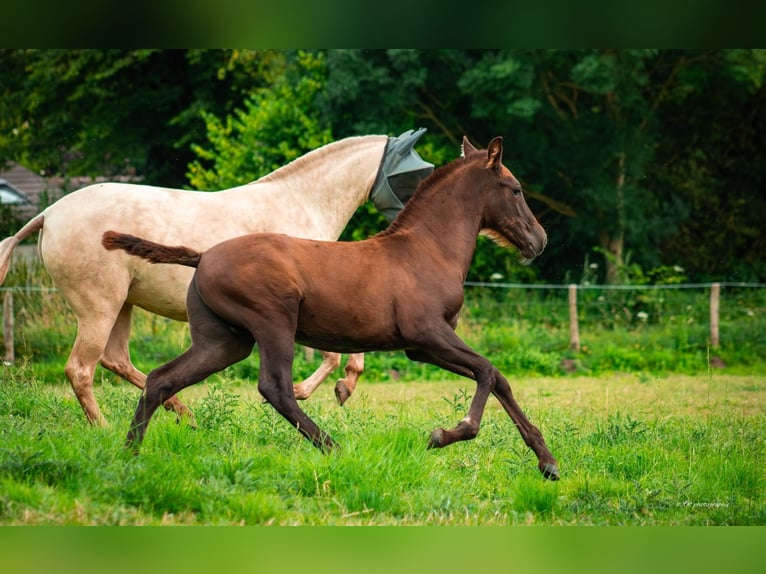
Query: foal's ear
[467,148]
[495,153]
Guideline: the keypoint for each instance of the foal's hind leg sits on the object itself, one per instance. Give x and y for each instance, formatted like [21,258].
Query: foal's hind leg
[199,362]
[215,346]
[116,358]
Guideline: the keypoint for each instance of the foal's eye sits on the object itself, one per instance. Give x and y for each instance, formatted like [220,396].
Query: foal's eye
[516,191]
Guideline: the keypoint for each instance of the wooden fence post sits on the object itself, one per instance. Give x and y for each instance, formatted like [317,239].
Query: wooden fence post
[10,355]
[715,294]
[574,327]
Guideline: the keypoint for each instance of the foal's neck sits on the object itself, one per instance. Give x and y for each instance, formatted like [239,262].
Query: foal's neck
[444,215]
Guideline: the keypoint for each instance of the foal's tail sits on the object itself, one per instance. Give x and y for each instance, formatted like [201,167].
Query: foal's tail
[152,252]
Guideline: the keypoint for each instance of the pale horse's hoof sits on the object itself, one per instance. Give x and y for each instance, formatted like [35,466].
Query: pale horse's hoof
[341,392]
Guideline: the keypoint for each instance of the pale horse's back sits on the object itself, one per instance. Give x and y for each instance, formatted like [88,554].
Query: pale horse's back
[70,245]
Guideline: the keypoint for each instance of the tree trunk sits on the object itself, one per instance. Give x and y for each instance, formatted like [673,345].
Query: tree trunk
[613,247]
[613,242]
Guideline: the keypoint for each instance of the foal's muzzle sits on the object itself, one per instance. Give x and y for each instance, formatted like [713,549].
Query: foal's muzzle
[534,246]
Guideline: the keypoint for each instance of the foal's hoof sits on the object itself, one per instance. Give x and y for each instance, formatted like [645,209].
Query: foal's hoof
[341,392]
[549,470]
[327,446]
[132,446]
[437,439]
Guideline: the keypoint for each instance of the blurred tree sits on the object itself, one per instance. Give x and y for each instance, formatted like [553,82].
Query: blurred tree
[583,132]
[10,220]
[708,160]
[278,123]
[650,154]
[389,91]
[627,145]
[101,112]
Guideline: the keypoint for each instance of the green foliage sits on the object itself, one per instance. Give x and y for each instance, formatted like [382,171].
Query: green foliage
[103,112]
[647,152]
[217,408]
[631,273]
[10,220]
[524,332]
[707,167]
[279,123]
[501,73]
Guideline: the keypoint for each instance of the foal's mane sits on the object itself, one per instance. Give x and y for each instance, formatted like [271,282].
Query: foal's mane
[425,189]
[313,157]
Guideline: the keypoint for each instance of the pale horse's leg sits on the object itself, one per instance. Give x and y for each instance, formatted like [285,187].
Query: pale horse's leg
[116,358]
[330,362]
[94,324]
[99,307]
[345,386]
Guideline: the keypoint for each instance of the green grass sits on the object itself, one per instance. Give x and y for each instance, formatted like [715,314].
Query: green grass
[646,429]
[674,450]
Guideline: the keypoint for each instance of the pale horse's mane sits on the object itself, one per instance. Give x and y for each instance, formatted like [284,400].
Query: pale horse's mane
[304,162]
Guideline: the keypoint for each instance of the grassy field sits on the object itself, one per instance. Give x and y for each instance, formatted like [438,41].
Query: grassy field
[647,428]
[672,450]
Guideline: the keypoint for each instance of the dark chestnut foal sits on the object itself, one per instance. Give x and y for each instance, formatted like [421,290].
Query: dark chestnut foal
[401,289]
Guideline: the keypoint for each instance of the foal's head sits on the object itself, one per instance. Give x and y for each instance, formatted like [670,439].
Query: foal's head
[507,219]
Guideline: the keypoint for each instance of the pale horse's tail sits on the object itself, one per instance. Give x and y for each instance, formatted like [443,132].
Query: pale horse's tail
[152,252]
[8,244]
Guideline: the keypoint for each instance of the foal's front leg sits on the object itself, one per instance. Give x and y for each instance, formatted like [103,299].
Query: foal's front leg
[468,427]
[459,358]
[463,361]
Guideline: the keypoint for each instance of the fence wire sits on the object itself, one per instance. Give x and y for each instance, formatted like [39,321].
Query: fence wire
[613,287]
[522,286]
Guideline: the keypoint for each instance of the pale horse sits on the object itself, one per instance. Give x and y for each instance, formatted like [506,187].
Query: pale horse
[312,197]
